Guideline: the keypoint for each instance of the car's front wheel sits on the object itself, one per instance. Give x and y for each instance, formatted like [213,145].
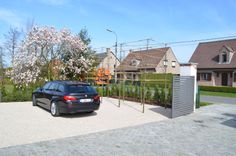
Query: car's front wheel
[54,109]
[34,102]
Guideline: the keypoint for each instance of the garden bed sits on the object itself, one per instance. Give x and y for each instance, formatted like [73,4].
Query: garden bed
[146,101]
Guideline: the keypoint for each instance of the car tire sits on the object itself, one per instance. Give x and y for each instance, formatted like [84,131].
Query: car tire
[54,109]
[90,111]
[34,102]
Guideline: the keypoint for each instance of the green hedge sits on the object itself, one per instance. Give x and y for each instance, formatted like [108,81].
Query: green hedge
[157,79]
[218,89]
[154,94]
[17,95]
[10,93]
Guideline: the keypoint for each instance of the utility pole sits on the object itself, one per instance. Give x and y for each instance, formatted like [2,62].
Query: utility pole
[123,54]
[121,50]
[123,74]
[116,60]
[148,40]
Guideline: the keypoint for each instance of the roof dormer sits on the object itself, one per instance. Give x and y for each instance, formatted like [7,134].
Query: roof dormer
[226,54]
[135,62]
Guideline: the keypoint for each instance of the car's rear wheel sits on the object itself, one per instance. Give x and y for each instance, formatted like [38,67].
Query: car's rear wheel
[54,109]
[34,102]
[90,111]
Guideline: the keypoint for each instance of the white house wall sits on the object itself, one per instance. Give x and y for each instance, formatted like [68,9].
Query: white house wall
[108,62]
[169,69]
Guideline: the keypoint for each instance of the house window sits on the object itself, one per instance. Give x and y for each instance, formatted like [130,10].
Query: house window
[234,77]
[173,64]
[134,62]
[206,76]
[150,70]
[224,57]
[165,63]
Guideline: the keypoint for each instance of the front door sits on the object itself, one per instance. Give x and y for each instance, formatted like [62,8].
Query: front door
[224,80]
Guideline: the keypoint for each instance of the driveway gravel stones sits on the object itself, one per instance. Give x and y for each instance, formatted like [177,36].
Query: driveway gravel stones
[211,130]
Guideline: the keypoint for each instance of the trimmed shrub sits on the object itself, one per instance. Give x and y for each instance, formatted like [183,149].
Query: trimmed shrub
[113,90]
[157,94]
[23,94]
[218,89]
[169,97]
[137,92]
[148,93]
[156,78]
[162,97]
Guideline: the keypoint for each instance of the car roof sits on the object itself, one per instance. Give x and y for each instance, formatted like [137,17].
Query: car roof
[69,82]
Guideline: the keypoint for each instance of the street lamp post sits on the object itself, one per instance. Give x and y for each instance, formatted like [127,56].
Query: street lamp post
[165,66]
[115,73]
[115,51]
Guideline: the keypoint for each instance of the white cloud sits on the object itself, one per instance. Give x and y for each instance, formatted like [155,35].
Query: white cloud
[10,18]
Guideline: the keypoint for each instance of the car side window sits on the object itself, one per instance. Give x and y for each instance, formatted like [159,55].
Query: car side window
[53,86]
[46,86]
[60,88]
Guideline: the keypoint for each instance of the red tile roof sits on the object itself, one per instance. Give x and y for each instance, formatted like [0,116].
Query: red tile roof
[207,54]
[148,59]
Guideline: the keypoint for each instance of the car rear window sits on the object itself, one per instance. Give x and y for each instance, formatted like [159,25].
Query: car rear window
[81,89]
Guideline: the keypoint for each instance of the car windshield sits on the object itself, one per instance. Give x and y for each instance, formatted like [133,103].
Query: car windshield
[81,89]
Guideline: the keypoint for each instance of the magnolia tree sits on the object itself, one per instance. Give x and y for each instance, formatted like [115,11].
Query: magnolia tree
[42,47]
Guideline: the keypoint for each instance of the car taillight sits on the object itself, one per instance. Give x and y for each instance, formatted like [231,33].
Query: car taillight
[69,98]
[96,98]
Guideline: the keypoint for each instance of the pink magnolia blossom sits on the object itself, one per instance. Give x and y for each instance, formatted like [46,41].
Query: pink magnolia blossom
[43,44]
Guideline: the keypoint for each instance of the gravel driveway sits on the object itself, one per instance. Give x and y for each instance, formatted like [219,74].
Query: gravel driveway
[21,123]
[211,131]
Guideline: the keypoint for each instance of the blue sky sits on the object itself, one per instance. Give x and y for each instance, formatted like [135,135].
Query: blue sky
[163,21]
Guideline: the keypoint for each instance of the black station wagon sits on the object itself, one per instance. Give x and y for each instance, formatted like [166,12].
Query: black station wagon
[66,97]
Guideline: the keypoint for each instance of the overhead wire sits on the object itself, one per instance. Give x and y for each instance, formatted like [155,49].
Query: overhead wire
[134,46]
[127,44]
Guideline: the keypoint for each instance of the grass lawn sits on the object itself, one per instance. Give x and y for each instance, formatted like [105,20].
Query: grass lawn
[205,104]
[231,95]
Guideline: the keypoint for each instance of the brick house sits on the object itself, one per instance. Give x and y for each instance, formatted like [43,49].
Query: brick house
[216,63]
[160,60]
[107,60]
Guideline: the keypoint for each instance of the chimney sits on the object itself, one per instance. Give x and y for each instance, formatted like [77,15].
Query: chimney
[108,50]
